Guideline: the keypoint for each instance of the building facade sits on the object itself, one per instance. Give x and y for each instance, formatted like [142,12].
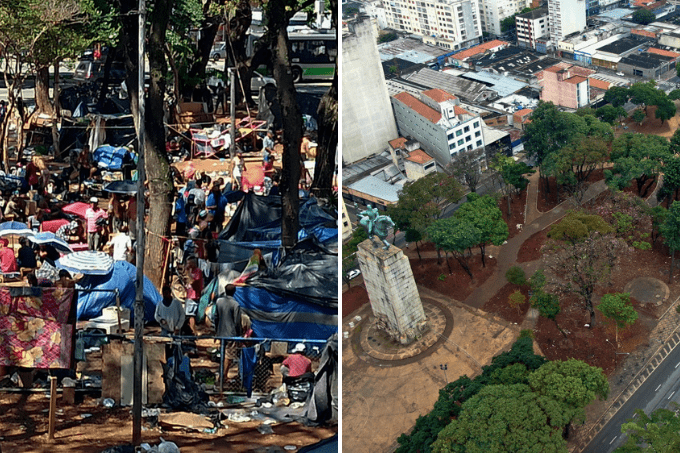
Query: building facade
[531,26]
[494,11]
[561,87]
[435,119]
[566,17]
[452,24]
[367,117]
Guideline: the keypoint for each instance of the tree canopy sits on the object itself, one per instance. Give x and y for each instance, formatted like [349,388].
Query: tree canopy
[643,17]
[658,432]
[638,157]
[456,235]
[483,213]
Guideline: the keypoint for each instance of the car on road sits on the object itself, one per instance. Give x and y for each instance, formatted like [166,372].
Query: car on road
[257,82]
[93,71]
[354,273]
[219,51]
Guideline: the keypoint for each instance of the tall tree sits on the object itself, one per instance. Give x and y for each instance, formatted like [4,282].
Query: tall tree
[643,16]
[457,236]
[413,235]
[665,109]
[638,157]
[658,432]
[671,234]
[617,96]
[466,167]
[619,309]
[483,213]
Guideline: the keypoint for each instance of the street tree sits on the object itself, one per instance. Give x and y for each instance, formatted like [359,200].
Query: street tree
[658,432]
[638,157]
[466,167]
[487,218]
[675,142]
[618,308]
[413,235]
[617,96]
[671,179]
[665,109]
[658,214]
[675,94]
[610,114]
[578,225]
[548,306]
[670,230]
[506,418]
[512,176]
[579,267]
[456,236]
[644,94]
[639,116]
[643,16]
[424,200]
[573,383]
[516,299]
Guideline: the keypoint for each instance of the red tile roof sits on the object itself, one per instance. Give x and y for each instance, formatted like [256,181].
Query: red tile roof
[439,95]
[579,71]
[523,112]
[666,53]
[460,111]
[417,106]
[467,53]
[597,83]
[576,80]
[557,68]
[397,143]
[649,34]
[419,157]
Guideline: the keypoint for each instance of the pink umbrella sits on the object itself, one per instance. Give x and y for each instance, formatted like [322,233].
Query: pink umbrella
[78,208]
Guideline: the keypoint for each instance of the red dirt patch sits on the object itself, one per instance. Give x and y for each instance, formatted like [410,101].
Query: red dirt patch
[530,250]
[548,201]
[499,305]
[647,188]
[458,285]
[517,206]
[353,299]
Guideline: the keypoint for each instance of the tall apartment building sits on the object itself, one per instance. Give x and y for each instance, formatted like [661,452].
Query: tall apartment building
[367,117]
[435,119]
[452,24]
[566,17]
[494,11]
[531,26]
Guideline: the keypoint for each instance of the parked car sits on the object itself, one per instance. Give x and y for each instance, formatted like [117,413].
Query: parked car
[93,70]
[354,273]
[257,82]
[219,51]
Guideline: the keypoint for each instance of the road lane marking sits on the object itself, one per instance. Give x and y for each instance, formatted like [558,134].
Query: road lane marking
[677,364]
[612,441]
[671,395]
[657,389]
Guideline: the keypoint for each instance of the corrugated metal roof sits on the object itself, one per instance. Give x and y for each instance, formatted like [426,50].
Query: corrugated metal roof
[378,188]
[505,86]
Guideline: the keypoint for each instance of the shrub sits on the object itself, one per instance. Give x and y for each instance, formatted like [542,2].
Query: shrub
[516,276]
[642,245]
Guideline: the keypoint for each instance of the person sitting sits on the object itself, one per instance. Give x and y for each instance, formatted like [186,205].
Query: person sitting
[8,262]
[65,280]
[48,254]
[296,366]
[26,255]
[170,313]
[72,232]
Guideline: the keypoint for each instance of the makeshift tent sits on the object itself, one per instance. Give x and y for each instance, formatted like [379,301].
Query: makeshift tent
[322,402]
[109,157]
[258,218]
[123,278]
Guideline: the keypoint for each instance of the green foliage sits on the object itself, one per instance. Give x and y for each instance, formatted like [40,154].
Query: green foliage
[537,281]
[359,235]
[675,94]
[610,114]
[670,229]
[483,213]
[643,17]
[548,305]
[516,276]
[657,432]
[618,308]
[636,156]
[526,333]
[642,245]
[617,96]
[454,234]
[639,116]
[516,299]
[387,36]
[665,109]
[441,277]
[505,418]
[578,225]
[624,222]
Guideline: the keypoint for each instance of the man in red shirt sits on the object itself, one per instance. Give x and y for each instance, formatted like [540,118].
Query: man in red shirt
[296,365]
[8,262]
[194,287]
[94,231]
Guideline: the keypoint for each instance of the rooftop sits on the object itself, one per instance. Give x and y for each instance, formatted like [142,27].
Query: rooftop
[397,142]
[410,49]
[418,107]
[534,13]
[467,53]
[488,59]
[623,45]
[504,86]
[399,66]
[439,95]
[666,53]
[458,86]
[419,157]
[645,60]
[576,80]
[538,65]
[597,83]
[524,112]
[378,188]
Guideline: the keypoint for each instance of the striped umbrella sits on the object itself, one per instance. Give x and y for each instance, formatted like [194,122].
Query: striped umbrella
[86,263]
[17,228]
[50,238]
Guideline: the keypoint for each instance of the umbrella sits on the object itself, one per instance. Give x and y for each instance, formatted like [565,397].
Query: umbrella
[50,238]
[78,208]
[18,228]
[125,187]
[87,263]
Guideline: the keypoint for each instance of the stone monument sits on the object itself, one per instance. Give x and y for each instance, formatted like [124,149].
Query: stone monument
[389,281]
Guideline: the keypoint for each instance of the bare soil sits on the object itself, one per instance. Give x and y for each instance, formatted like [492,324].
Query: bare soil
[517,207]
[457,284]
[530,250]
[500,306]
[547,201]
[353,299]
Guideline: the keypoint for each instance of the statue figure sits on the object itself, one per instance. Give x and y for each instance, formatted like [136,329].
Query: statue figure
[376,224]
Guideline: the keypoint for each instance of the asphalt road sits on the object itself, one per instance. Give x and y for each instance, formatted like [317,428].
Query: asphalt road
[660,389]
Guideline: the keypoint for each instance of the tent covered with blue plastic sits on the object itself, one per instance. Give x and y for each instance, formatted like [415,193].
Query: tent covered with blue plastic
[110,157]
[123,278]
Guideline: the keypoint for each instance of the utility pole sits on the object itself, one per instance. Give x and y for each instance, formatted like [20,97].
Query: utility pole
[232,110]
[139,294]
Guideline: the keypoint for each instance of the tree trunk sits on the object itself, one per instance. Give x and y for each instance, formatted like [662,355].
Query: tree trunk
[156,163]
[589,307]
[482,250]
[322,187]
[209,28]
[418,250]
[107,72]
[509,208]
[446,257]
[439,256]
[237,27]
[464,265]
[42,91]
[278,19]
[670,272]
[57,110]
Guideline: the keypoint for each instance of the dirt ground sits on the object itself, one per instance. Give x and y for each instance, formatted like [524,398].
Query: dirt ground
[24,421]
[530,250]
[517,207]
[547,201]
[457,284]
[499,304]
[651,125]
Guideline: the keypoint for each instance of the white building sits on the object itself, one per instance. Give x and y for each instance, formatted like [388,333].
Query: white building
[531,26]
[452,24]
[566,17]
[494,11]
[376,10]
[442,127]
[367,117]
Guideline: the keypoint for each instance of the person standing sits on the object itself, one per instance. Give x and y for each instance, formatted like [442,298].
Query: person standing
[238,167]
[94,230]
[194,287]
[122,245]
[170,313]
[227,322]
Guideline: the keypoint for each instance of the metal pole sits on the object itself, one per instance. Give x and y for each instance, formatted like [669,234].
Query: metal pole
[232,110]
[139,296]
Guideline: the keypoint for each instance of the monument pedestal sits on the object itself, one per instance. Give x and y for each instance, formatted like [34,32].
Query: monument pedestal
[392,291]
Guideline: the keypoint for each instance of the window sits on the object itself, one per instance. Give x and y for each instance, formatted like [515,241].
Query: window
[477,134]
[468,138]
[452,146]
[466,129]
[428,166]
[450,136]
[476,124]
[460,142]
[459,133]
[479,143]
[469,148]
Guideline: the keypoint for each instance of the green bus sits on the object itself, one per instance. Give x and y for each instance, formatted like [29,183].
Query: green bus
[313,55]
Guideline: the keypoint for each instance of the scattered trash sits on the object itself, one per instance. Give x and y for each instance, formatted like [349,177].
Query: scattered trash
[185,420]
[212,404]
[210,431]
[238,418]
[356,318]
[345,335]
[85,415]
[151,412]
[351,325]
[231,399]
[297,405]
[267,405]
[220,404]
[163,447]
[265,429]
[269,421]
[290,448]
[108,402]
[68,382]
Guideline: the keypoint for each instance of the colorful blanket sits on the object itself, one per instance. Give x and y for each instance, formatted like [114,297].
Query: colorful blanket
[34,327]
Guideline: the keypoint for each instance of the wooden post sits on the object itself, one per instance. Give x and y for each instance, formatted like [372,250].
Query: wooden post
[53,407]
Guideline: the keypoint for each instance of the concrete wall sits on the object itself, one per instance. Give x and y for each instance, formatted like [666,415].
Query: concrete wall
[431,136]
[557,92]
[416,171]
[368,123]
[671,41]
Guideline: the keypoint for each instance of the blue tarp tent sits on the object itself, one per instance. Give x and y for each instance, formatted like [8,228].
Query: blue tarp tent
[109,157]
[123,277]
